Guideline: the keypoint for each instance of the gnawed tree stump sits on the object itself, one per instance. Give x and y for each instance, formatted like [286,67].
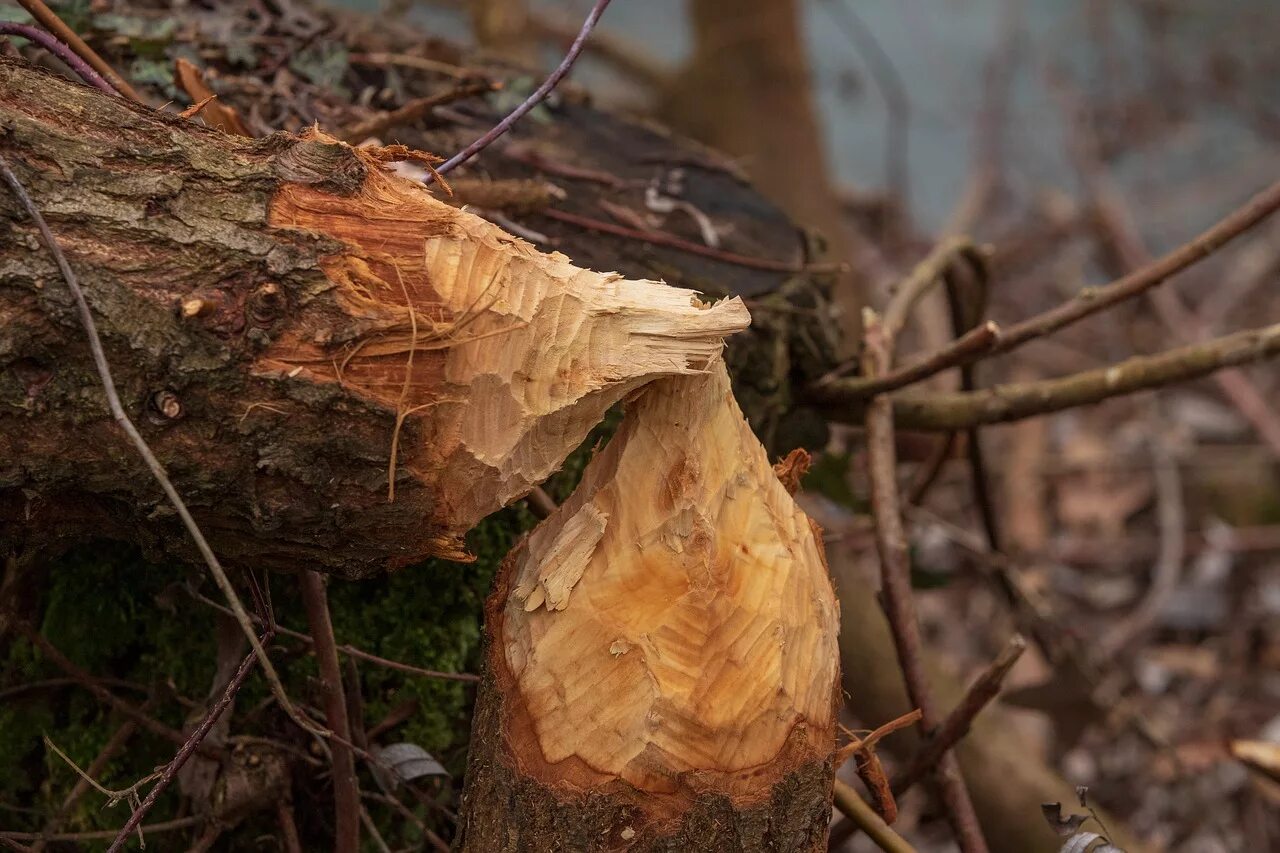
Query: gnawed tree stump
[338,370]
[661,652]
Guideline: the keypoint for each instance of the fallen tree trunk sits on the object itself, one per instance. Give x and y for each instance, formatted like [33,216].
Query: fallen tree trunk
[336,369]
[661,667]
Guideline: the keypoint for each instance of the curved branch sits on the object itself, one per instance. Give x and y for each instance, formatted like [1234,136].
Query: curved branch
[1094,299]
[1015,401]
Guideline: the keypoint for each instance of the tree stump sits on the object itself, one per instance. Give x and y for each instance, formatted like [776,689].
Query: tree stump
[661,652]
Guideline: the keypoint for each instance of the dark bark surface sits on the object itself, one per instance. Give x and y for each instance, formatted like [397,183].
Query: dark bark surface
[156,213]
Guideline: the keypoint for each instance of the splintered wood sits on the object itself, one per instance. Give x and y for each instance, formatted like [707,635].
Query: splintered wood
[669,634]
[500,357]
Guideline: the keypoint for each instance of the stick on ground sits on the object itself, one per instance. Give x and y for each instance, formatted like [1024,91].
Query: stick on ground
[891,542]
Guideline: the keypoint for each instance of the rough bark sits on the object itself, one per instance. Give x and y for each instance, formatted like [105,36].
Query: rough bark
[661,664]
[296,331]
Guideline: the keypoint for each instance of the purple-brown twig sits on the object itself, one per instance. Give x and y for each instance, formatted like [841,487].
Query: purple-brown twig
[957,723]
[895,565]
[61,50]
[553,79]
[51,22]
[188,748]
[346,790]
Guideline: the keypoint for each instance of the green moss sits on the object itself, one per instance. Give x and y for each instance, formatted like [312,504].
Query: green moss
[114,614]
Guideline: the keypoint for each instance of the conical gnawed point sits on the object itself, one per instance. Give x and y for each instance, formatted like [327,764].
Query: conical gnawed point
[504,356]
[662,660]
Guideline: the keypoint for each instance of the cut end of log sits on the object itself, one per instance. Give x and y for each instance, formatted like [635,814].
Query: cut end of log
[362,372]
[501,356]
[664,641]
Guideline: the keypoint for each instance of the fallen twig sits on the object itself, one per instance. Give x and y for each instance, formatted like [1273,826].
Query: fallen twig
[189,747]
[51,22]
[61,50]
[346,790]
[891,543]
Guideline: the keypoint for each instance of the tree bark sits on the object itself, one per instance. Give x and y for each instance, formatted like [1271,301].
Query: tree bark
[661,666]
[336,369]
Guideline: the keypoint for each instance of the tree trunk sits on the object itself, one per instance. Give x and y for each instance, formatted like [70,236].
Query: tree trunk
[337,370]
[661,667]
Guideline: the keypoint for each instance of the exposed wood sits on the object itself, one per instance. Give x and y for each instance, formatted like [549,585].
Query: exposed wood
[662,666]
[336,368]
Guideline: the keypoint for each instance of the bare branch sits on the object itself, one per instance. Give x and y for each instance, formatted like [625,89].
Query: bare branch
[957,723]
[895,567]
[61,50]
[188,749]
[1014,401]
[966,349]
[51,22]
[865,818]
[535,98]
[1092,300]
[350,650]
[346,790]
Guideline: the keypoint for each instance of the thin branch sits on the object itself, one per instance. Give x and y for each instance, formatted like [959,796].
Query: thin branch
[415,110]
[103,834]
[188,749]
[865,818]
[535,98]
[908,292]
[51,22]
[1094,299]
[957,723]
[87,681]
[346,790]
[118,740]
[289,839]
[144,450]
[354,652]
[967,303]
[113,795]
[895,564]
[966,349]
[625,56]
[61,50]
[661,238]
[1018,400]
